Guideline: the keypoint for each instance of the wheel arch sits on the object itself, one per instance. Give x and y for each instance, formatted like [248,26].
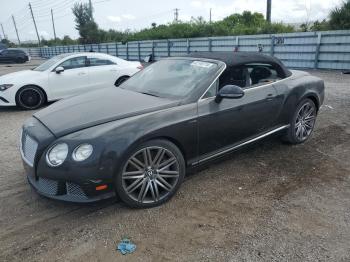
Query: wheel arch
[314,99]
[122,76]
[172,140]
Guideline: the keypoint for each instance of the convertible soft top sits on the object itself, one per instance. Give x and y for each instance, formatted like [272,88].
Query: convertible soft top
[234,59]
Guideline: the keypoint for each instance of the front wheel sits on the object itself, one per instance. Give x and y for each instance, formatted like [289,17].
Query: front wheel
[302,123]
[151,175]
[30,98]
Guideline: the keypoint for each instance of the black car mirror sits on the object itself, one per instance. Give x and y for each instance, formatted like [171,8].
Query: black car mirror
[59,69]
[230,92]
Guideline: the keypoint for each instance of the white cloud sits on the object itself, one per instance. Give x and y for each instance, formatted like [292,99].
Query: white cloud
[113,18]
[129,17]
[118,19]
[289,11]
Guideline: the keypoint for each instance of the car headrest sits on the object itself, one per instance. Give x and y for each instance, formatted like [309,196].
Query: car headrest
[259,73]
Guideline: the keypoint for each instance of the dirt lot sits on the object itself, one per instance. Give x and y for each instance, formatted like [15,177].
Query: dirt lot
[270,202]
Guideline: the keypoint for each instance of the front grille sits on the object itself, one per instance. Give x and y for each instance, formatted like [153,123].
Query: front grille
[75,190]
[47,186]
[28,147]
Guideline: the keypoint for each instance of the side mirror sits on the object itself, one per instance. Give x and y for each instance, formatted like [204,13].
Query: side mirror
[230,92]
[59,69]
[148,59]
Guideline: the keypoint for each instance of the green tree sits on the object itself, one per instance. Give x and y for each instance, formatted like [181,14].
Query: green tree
[340,17]
[320,26]
[85,24]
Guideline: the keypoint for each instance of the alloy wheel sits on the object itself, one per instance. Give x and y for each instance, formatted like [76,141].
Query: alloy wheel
[305,121]
[150,174]
[30,98]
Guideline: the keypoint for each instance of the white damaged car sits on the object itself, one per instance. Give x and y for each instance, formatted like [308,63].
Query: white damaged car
[63,76]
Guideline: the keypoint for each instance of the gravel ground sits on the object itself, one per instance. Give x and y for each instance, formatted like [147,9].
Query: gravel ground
[269,202]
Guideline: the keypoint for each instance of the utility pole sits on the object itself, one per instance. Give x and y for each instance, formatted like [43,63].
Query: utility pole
[53,25]
[210,15]
[268,11]
[176,14]
[90,7]
[36,29]
[14,23]
[3,31]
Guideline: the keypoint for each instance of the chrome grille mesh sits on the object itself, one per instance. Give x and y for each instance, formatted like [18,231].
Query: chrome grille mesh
[48,186]
[29,147]
[75,190]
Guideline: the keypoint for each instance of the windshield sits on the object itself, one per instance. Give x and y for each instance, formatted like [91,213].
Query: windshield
[46,65]
[170,78]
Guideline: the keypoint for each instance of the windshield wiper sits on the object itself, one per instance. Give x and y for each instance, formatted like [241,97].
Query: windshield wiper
[149,94]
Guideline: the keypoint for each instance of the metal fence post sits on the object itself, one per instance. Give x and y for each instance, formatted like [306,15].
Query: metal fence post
[138,50]
[84,48]
[99,48]
[168,46]
[237,44]
[272,48]
[107,49]
[188,46]
[127,50]
[116,49]
[318,47]
[209,45]
[153,49]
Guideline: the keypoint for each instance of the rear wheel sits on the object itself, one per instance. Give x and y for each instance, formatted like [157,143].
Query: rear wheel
[302,123]
[121,80]
[30,97]
[151,175]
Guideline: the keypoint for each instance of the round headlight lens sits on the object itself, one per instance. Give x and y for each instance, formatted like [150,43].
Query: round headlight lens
[57,154]
[82,152]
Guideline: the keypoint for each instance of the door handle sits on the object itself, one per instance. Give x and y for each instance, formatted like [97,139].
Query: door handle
[269,97]
[81,74]
[113,70]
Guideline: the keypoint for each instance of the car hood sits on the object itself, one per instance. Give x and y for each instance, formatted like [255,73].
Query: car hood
[98,107]
[19,76]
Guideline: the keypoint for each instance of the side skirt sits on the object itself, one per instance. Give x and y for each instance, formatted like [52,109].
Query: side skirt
[237,146]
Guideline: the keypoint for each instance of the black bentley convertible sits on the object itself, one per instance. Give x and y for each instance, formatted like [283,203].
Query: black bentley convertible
[138,140]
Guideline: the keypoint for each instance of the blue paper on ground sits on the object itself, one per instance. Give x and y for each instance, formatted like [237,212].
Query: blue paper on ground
[126,246]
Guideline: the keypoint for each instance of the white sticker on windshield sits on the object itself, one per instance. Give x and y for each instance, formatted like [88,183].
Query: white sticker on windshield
[202,64]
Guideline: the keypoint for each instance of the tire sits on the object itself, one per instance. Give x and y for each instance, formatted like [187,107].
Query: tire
[302,123]
[20,60]
[121,80]
[30,98]
[142,183]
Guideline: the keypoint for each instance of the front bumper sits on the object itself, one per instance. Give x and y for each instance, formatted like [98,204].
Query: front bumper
[7,98]
[71,182]
[64,191]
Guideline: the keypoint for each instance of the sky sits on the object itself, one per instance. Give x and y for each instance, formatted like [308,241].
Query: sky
[137,14]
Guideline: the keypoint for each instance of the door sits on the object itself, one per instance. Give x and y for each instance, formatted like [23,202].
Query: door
[232,121]
[102,71]
[4,56]
[73,80]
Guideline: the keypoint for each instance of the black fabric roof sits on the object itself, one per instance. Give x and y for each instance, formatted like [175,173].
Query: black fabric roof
[232,59]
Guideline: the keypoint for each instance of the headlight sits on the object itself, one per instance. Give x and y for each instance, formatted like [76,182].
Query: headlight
[5,86]
[82,152]
[57,154]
